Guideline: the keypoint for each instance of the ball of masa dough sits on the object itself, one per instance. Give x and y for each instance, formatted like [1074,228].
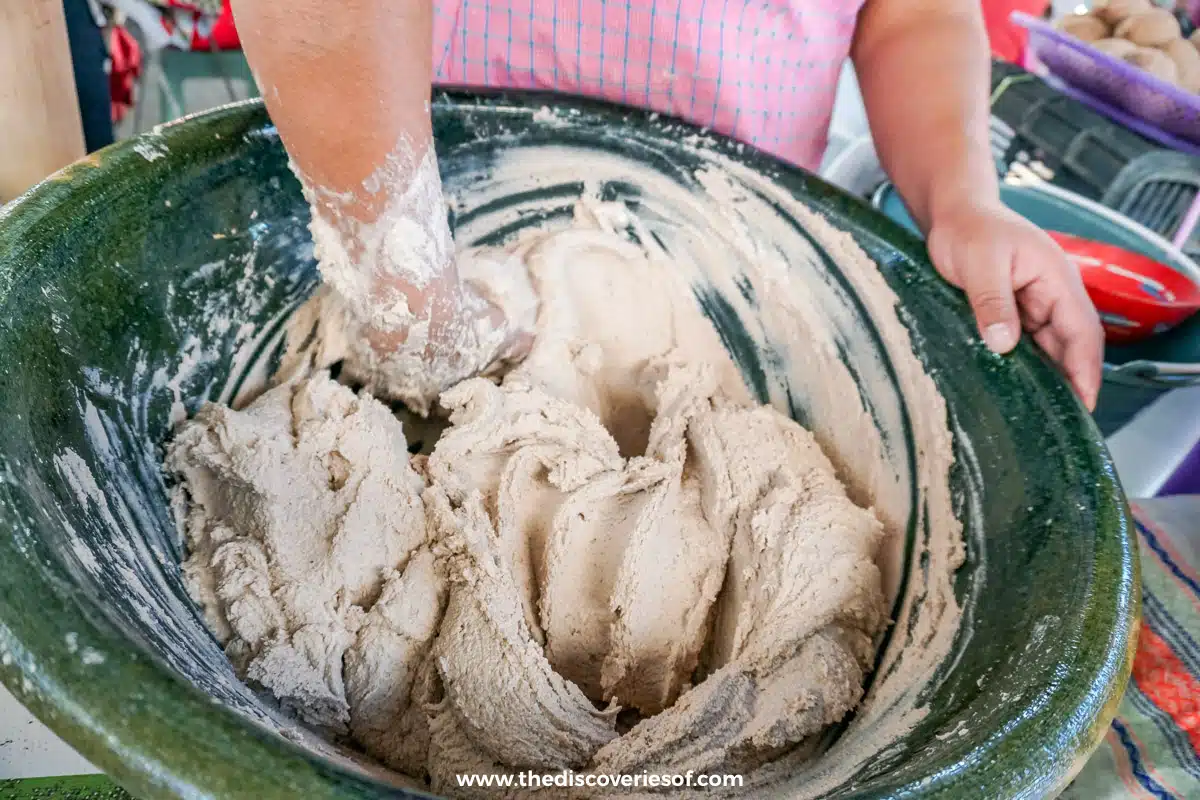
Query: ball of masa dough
[1187,63]
[1084,27]
[1115,11]
[1117,48]
[1155,62]
[1150,28]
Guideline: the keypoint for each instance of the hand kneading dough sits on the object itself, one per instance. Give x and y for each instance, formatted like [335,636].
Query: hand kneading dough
[616,525]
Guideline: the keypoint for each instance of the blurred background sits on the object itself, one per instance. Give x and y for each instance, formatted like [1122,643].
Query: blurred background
[1088,143]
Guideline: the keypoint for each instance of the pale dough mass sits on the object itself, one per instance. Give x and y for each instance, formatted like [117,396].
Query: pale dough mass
[613,560]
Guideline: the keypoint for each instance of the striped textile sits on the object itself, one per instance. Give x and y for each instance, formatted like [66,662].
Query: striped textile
[762,71]
[1153,747]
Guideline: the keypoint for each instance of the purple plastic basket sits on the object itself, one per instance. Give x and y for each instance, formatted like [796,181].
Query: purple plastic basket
[1113,82]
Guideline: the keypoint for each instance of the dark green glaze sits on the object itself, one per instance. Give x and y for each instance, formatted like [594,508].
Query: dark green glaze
[85,262]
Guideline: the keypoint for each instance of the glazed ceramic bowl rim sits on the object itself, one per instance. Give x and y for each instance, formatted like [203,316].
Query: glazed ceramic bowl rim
[59,693]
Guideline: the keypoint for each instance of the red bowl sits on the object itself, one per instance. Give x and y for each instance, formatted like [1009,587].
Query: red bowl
[1135,295]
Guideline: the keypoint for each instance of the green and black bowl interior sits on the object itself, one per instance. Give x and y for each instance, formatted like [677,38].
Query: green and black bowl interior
[159,273]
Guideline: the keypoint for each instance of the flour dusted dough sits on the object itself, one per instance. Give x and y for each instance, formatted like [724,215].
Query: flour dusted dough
[616,525]
[303,513]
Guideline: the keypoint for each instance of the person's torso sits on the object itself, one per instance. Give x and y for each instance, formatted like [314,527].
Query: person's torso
[763,72]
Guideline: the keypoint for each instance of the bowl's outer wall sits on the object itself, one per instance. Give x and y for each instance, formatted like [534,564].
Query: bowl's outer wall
[84,262]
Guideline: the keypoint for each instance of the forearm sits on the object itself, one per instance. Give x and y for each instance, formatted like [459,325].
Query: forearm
[347,84]
[924,70]
[345,81]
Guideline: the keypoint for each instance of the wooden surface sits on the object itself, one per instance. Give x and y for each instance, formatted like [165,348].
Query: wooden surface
[40,130]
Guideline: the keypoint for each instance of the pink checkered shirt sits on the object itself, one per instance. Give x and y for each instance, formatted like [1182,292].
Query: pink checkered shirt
[764,72]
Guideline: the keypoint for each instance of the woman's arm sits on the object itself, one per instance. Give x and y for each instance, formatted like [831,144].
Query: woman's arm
[347,83]
[924,68]
[925,73]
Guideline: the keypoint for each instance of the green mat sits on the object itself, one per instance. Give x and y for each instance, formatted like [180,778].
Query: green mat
[72,787]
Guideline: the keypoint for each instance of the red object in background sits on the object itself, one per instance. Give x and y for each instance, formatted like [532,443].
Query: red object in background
[203,31]
[1006,39]
[1135,295]
[125,57]
[224,32]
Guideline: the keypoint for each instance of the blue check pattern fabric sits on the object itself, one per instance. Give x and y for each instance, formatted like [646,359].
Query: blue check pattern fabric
[762,72]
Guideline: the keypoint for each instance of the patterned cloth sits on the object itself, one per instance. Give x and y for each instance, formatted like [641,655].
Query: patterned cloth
[1153,747]
[764,72]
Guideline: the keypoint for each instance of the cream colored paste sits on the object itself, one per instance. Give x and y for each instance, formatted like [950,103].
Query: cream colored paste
[613,560]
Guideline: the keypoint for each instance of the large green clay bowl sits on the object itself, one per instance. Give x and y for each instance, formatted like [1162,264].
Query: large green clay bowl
[157,274]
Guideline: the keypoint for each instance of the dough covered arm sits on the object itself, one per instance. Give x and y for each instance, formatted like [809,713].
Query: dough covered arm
[347,83]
